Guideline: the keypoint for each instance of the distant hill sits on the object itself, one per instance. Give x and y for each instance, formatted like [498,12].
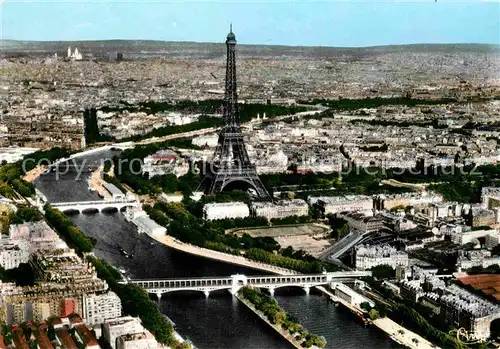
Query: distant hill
[150,48]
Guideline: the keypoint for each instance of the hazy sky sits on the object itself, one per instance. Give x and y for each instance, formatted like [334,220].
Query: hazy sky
[304,22]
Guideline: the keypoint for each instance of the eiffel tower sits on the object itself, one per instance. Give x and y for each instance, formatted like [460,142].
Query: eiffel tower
[231,162]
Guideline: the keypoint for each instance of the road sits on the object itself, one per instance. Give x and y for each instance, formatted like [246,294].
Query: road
[342,246]
[203,131]
[403,335]
[398,184]
[175,136]
[223,257]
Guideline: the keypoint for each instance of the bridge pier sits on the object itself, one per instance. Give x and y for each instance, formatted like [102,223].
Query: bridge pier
[207,293]
[158,294]
[271,291]
[234,289]
[307,289]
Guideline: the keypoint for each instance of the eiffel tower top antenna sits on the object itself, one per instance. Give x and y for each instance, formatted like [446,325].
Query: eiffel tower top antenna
[231,38]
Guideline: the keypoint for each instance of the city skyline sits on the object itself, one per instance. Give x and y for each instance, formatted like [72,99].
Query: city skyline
[337,24]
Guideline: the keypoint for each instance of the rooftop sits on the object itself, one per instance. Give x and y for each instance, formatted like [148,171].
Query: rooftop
[225,204]
[340,199]
[377,251]
[489,284]
[460,298]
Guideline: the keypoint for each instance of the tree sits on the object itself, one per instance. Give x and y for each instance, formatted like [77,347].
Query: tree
[365,306]
[6,190]
[25,214]
[69,233]
[343,231]
[339,226]
[374,315]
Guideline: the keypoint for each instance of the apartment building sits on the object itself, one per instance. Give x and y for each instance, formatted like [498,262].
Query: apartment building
[144,340]
[225,210]
[490,197]
[462,308]
[368,257]
[462,235]
[476,258]
[13,253]
[114,328]
[348,203]
[98,308]
[280,209]
[360,222]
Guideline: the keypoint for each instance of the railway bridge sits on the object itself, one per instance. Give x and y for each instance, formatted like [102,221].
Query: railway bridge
[234,282]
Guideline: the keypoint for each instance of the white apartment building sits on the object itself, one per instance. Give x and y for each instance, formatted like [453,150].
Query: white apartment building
[174,118]
[280,209]
[440,211]
[388,201]
[490,197]
[196,196]
[206,141]
[38,235]
[360,222]
[334,204]
[172,197]
[143,340]
[13,254]
[270,160]
[114,328]
[403,224]
[476,258]
[225,210]
[462,235]
[368,257]
[99,307]
[164,162]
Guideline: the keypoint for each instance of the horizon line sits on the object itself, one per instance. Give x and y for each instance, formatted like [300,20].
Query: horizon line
[243,44]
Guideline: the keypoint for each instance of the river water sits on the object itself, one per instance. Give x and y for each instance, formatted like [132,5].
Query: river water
[220,321]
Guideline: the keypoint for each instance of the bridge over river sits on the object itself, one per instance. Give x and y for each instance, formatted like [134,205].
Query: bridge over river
[234,282]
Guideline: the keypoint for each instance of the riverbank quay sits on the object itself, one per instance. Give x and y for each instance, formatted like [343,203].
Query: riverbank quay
[179,339]
[401,335]
[288,337]
[96,183]
[396,332]
[171,242]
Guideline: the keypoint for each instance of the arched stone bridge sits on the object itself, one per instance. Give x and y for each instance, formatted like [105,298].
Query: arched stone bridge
[234,282]
[95,205]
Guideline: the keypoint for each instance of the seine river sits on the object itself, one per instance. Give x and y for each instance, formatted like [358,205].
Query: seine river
[220,321]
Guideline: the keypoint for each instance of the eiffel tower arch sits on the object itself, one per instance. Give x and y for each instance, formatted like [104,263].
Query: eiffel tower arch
[231,162]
